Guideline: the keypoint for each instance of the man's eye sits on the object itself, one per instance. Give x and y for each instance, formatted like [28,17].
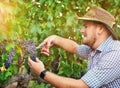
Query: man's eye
[85,26]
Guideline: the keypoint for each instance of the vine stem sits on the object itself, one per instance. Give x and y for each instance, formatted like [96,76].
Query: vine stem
[40,45]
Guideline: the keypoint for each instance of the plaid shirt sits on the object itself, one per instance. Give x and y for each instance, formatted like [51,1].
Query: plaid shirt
[103,64]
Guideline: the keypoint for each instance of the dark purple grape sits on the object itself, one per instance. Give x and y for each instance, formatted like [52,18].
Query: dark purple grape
[10,58]
[7,64]
[55,64]
[32,50]
[33,57]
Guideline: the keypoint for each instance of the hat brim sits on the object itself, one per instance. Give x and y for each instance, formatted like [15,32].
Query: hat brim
[89,19]
[109,28]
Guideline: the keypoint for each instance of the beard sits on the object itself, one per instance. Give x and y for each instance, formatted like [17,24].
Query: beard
[89,40]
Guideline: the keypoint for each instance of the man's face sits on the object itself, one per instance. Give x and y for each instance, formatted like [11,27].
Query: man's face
[89,33]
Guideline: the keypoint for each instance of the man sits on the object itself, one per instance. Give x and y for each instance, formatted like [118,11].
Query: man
[100,47]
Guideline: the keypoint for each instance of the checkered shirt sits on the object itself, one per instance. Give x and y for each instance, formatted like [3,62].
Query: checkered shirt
[103,64]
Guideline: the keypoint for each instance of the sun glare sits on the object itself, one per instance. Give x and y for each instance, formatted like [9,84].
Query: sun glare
[6,18]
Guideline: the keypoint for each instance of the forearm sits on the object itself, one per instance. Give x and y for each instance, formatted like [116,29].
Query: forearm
[63,82]
[66,44]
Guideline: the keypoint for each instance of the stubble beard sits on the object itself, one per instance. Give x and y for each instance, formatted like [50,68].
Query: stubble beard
[89,41]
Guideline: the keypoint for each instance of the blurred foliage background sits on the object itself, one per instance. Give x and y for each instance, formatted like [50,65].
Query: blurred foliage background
[37,19]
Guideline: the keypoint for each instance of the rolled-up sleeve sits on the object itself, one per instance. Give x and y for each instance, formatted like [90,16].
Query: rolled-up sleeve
[83,51]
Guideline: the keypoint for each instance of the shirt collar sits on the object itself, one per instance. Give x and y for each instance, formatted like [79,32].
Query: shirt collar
[105,44]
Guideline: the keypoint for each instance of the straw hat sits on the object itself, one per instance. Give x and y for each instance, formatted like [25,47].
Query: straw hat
[102,16]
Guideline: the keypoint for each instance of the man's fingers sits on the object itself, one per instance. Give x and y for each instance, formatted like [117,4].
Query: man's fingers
[48,44]
[29,62]
[37,60]
[45,52]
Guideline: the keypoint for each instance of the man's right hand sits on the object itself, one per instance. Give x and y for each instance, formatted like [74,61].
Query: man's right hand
[48,42]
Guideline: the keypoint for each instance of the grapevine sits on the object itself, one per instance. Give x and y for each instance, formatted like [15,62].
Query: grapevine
[26,48]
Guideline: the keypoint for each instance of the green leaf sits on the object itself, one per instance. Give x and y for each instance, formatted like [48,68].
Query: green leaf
[4,57]
[7,74]
[9,46]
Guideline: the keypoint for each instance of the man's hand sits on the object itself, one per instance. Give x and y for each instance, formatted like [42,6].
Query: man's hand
[48,42]
[37,67]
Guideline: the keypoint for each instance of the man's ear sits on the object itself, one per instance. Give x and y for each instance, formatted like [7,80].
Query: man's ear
[100,29]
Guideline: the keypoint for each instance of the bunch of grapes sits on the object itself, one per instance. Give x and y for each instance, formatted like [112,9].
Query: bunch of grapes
[29,47]
[10,58]
[32,50]
[55,64]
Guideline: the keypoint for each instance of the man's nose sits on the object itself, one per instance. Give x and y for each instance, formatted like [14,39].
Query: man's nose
[82,30]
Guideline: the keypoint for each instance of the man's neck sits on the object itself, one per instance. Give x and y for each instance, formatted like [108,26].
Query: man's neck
[98,42]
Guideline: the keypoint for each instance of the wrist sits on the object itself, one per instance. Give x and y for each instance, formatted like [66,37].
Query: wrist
[43,74]
[55,39]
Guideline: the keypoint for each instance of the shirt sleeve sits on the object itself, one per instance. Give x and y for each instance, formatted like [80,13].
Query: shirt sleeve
[106,71]
[83,51]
